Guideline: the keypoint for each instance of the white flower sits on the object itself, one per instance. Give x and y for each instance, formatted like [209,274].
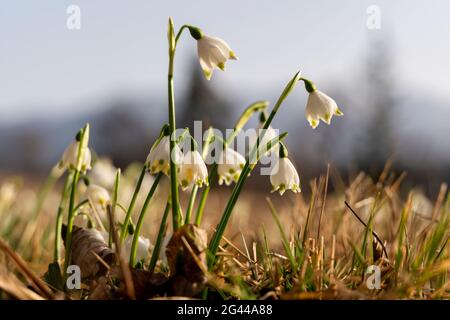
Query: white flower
[159,157]
[143,246]
[162,250]
[320,107]
[98,196]
[230,166]
[213,53]
[70,157]
[284,177]
[192,170]
[103,173]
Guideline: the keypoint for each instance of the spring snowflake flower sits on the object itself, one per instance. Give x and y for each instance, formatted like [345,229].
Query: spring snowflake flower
[320,107]
[158,159]
[212,53]
[192,170]
[98,196]
[103,173]
[284,176]
[143,247]
[230,166]
[70,157]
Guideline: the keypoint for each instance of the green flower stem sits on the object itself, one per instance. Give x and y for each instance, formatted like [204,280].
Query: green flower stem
[59,218]
[78,206]
[196,33]
[242,121]
[71,214]
[70,220]
[201,205]
[135,242]
[159,239]
[220,229]
[180,32]
[191,204]
[113,205]
[248,167]
[193,196]
[176,214]
[123,231]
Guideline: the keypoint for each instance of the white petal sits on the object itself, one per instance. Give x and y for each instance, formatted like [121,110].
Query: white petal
[320,107]
[158,159]
[284,176]
[213,52]
[192,170]
[203,57]
[103,173]
[70,157]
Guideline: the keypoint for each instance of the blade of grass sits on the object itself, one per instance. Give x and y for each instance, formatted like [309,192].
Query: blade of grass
[284,239]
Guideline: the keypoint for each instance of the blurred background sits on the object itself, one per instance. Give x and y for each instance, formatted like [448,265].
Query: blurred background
[386,63]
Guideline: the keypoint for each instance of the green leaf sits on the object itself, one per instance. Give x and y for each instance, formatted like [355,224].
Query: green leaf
[53,276]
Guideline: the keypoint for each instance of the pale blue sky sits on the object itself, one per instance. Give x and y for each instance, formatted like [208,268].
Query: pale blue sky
[47,70]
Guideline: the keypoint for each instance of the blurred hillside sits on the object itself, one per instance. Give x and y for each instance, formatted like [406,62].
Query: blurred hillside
[380,122]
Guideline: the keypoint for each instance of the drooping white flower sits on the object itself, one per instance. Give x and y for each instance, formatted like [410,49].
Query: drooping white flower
[103,173]
[192,170]
[284,177]
[320,107]
[158,159]
[213,53]
[98,196]
[229,166]
[70,157]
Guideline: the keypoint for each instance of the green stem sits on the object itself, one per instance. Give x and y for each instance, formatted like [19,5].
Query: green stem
[201,205]
[83,144]
[220,229]
[248,167]
[59,218]
[191,204]
[70,220]
[113,207]
[159,239]
[123,231]
[135,242]
[78,206]
[243,119]
[180,32]
[205,150]
[172,126]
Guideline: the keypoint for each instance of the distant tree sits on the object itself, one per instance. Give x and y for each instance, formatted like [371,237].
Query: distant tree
[380,102]
[121,133]
[203,103]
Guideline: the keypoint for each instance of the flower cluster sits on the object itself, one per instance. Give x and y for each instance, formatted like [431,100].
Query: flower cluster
[186,167]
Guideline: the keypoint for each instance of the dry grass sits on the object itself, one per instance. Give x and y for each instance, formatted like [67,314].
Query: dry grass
[308,246]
